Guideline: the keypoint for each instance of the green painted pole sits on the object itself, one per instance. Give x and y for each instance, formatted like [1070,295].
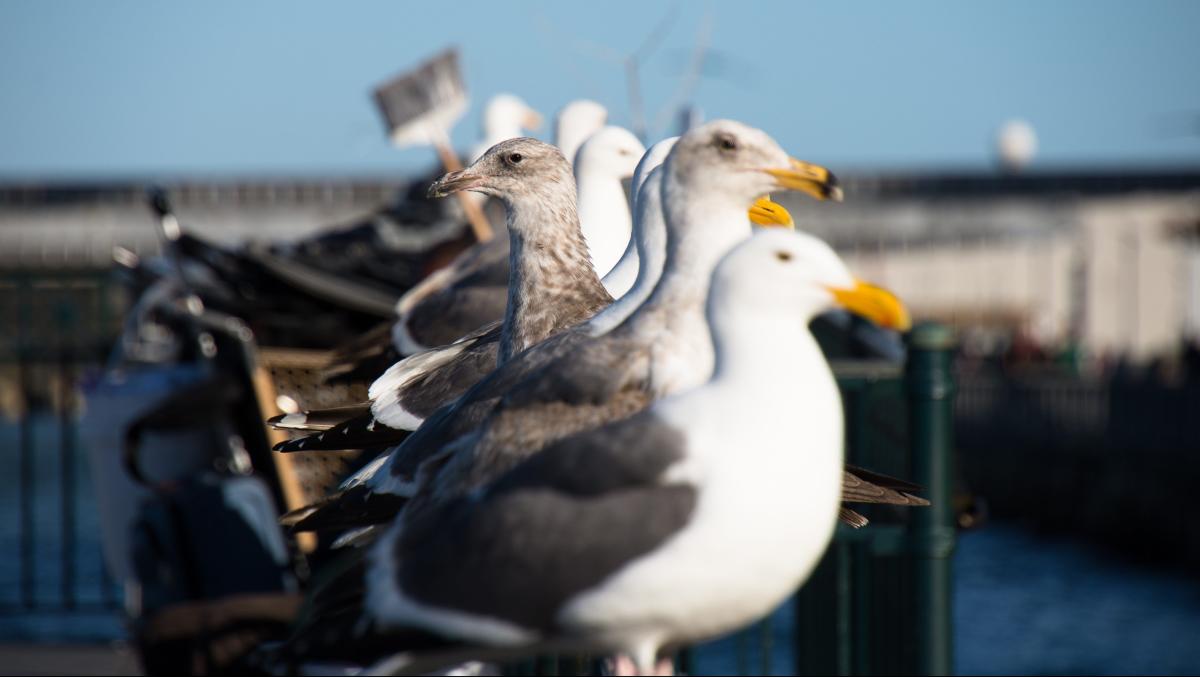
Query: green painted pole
[929,380]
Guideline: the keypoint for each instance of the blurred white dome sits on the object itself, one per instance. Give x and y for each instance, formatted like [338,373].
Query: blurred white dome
[1016,144]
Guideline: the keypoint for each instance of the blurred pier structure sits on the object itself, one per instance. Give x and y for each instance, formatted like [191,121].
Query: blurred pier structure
[76,225]
[1104,262]
[1077,300]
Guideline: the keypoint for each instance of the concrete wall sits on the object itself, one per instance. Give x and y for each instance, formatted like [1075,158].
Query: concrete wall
[1112,271]
[988,282]
[1138,291]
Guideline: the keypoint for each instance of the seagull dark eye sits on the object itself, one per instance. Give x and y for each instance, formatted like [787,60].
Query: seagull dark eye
[515,158]
[725,142]
[783,256]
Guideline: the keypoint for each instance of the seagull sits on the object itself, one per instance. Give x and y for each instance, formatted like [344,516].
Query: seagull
[469,292]
[689,520]
[551,285]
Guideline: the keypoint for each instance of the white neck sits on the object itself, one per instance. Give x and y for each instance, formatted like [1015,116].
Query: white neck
[756,344]
[604,216]
[700,229]
[649,243]
[620,279]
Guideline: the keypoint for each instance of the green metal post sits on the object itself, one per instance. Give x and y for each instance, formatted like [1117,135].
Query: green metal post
[929,381]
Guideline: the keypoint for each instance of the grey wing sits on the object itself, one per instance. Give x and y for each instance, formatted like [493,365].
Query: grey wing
[635,451]
[423,395]
[454,312]
[363,358]
[453,420]
[473,291]
[552,528]
[604,381]
[629,452]
[420,397]
[522,426]
[591,375]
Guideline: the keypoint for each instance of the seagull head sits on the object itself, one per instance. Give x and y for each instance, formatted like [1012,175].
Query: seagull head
[612,152]
[511,171]
[728,158]
[797,273]
[505,112]
[577,121]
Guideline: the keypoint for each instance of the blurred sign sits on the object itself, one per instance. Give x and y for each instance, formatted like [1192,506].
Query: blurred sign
[419,106]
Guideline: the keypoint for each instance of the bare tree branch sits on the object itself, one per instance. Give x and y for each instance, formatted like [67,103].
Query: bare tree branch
[631,63]
[657,35]
[691,78]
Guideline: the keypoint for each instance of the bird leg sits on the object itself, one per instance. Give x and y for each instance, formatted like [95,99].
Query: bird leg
[625,666]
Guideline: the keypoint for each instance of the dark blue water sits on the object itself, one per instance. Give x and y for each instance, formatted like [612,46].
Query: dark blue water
[1028,605]
[1023,604]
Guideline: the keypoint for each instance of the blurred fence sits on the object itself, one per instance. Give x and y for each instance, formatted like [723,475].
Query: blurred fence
[1111,459]
[58,327]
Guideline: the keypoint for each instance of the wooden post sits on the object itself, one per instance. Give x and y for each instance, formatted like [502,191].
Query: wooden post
[293,493]
[475,215]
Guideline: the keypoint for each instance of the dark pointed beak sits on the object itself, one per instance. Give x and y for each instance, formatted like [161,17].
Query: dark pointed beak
[449,184]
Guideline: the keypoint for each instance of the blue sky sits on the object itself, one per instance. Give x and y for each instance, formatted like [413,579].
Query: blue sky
[121,88]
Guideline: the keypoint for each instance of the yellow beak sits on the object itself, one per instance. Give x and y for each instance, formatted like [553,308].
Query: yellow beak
[770,214]
[874,303]
[808,178]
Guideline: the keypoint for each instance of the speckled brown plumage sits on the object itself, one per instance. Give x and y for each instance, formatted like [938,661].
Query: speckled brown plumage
[551,282]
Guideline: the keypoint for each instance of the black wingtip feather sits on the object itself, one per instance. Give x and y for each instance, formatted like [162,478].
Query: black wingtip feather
[350,509]
[361,432]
